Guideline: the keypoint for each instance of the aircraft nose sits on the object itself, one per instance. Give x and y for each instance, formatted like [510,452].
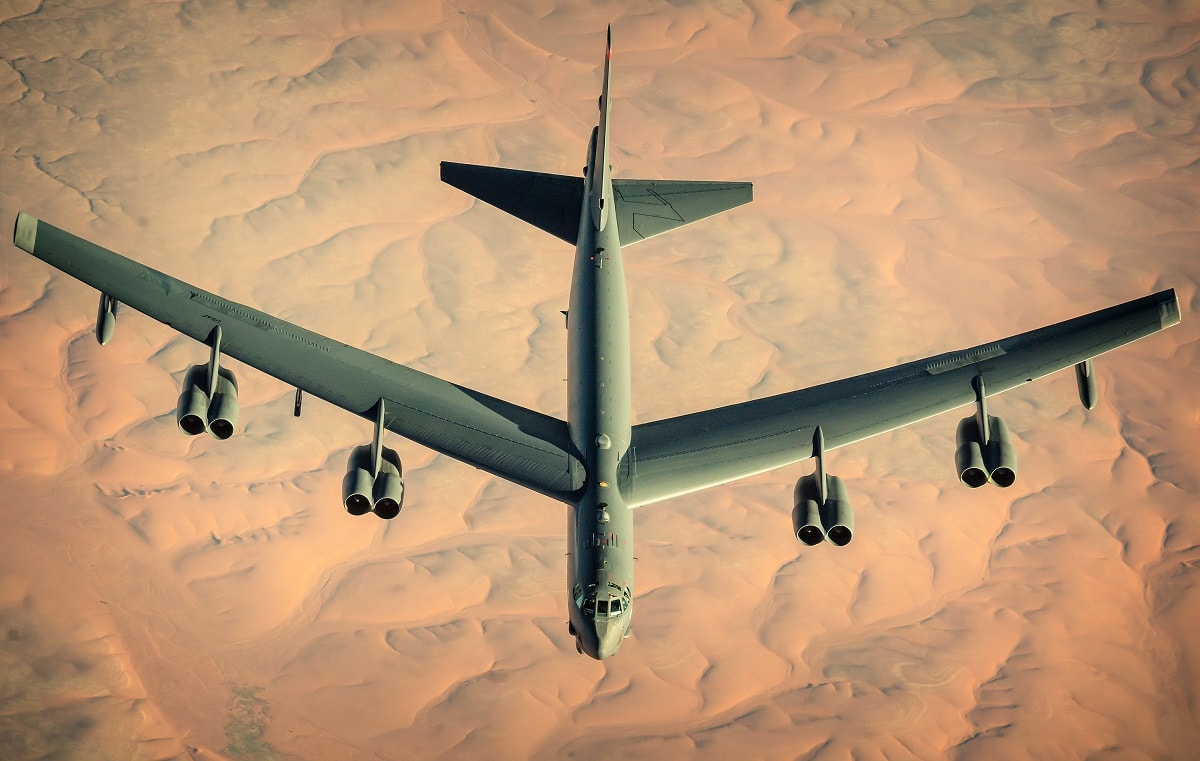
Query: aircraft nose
[603,639]
[610,643]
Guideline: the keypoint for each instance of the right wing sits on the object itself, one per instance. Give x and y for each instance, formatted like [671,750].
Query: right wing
[691,452]
[519,444]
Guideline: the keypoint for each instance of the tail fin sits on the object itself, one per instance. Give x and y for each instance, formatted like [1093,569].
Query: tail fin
[552,202]
[600,163]
[645,208]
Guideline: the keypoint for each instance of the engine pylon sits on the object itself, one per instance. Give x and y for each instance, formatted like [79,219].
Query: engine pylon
[209,401]
[374,480]
[985,451]
[822,509]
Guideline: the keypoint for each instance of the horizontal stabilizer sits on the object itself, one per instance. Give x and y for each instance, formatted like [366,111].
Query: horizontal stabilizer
[646,208]
[550,202]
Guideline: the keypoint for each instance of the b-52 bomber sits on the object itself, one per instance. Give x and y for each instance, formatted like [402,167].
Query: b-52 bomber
[597,462]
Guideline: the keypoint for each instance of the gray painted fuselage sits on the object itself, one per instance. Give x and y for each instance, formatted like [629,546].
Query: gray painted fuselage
[600,525]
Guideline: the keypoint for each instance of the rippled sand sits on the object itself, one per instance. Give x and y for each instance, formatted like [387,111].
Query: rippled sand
[927,177]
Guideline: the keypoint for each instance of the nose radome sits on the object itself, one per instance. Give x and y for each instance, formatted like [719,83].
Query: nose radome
[610,639]
[601,640]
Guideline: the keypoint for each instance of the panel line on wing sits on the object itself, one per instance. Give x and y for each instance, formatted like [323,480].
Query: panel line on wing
[968,357]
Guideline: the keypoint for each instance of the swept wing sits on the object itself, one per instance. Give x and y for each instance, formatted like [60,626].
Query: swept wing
[519,444]
[687,453]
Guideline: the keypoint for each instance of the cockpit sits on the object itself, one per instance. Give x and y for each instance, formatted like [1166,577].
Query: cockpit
[608,601]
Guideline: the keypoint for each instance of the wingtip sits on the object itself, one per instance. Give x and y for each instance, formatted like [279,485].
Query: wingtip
[25,233]
[1168,308]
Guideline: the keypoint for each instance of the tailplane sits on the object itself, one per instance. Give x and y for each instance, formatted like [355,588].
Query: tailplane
[553,202]
[646,208]
[549,202]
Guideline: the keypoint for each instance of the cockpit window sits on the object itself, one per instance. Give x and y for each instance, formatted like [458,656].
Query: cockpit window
[608,602]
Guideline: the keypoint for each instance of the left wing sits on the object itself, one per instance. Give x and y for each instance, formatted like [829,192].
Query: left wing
[519,444]
[687,453]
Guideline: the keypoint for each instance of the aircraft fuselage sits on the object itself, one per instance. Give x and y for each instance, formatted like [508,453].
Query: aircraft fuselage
[600,525]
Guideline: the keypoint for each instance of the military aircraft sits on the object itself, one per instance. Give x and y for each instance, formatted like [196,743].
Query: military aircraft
[596,462]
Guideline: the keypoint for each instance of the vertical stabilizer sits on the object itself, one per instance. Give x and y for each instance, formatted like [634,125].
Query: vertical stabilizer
[601,180]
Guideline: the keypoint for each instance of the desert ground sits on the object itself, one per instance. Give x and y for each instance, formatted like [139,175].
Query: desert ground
[928,176]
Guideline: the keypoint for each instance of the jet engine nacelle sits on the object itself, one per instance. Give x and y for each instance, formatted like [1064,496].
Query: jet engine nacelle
[978,461]
[358,485]
[197,412]
[813,521]
[362,492]
[806,515]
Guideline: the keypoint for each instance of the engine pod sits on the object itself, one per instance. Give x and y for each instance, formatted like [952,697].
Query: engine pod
[223,407]
[968,457]
[388,491]
[192,411]
[837,516]
[1000,456]
[358,485]
[806,513]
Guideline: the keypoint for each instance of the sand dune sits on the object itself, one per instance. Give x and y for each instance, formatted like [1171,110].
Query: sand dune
[927,177]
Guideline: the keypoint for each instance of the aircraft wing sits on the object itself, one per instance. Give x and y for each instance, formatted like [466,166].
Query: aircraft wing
[521,445]
[687,453]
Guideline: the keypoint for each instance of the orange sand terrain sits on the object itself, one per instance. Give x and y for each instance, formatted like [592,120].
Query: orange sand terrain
[928,177]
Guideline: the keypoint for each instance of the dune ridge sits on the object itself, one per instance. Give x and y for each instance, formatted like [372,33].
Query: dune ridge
[927,177]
